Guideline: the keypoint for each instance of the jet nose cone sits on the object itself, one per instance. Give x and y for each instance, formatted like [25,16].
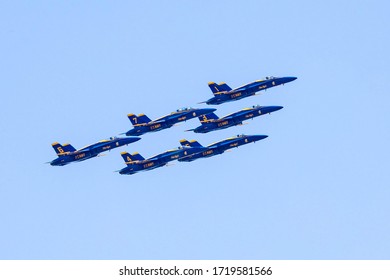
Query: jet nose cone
[131,139]
[258,137]
[290,79]
[271,109]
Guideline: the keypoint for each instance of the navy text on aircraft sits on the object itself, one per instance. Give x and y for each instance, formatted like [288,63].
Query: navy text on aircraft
[219,147]
[211,122]
[223,93]
[136,163]
[67,153]
[142,124]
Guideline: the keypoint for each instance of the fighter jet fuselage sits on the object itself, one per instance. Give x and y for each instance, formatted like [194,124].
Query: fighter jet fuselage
[67,154]
[211,122]
[219,147]
[136,163]
[223,93]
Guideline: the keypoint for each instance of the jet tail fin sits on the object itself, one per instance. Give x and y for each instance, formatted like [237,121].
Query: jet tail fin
[192,143]
[136,156]
[195,144]
[58,148]
[126,157]
[68,148]
[137,120]
[224,87]
[219,88]
[184,143]
[208,117]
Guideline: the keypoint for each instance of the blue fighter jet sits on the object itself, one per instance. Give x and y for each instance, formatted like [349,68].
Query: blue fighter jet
[136,163]
[219,147]
[67,153]
[211,122]
[223,93]
[142,124]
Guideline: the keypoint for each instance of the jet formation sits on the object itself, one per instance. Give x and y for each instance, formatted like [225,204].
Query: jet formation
[189,150]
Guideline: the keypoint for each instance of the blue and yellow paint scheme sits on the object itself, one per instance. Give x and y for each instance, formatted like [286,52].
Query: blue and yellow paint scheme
[211,122]
[67,153]
[223,93]
[219,147]
[136,163]
[142,124]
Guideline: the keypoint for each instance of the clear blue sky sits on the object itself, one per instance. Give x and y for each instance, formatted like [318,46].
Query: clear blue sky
[317,188]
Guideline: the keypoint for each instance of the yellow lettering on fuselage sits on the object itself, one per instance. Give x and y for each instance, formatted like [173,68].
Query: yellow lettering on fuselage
[209,152]
[249,115]
[233,144]
[234,95]
[223,123]
[146,165]
[106,147]
[80,156]
[153,127]
[182,118]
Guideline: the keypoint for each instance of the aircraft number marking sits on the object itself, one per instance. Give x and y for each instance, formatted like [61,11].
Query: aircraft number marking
[60,150]
[135,120]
